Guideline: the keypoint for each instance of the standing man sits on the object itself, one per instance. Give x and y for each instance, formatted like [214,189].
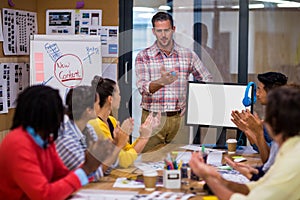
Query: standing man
[162,72]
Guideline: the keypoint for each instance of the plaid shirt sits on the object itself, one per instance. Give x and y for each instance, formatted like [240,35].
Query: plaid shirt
[171,97]
[71,145]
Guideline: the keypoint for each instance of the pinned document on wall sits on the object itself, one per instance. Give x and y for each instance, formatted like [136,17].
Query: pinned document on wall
[109,41]
[18,25]
[64,62]
[88,22]
[70,22]
[3,91]
[61,22]
[14,79]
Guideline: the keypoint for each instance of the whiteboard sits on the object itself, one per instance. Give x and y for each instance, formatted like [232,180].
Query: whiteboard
[211,104]
[64,62]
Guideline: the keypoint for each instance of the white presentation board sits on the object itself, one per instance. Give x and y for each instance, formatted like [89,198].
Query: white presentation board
[211,104]
[64,62]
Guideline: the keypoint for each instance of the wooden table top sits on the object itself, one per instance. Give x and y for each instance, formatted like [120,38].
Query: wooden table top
[106,183]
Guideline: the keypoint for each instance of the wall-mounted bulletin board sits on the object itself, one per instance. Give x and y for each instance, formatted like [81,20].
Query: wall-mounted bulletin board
[110,17]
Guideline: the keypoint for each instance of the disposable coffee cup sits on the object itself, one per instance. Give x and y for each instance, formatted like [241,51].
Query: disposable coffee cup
[231,146]
[150,178]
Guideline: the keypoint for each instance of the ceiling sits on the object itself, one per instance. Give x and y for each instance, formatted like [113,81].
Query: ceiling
[210,3]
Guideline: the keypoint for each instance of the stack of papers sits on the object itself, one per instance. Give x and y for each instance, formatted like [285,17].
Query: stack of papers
[125,183]
[196,147]
[158,195]
[92,194]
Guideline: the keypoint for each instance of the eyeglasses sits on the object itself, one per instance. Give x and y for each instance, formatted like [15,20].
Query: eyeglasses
[160,31]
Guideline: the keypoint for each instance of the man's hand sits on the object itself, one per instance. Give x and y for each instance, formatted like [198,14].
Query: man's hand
[201,169]
[167,77]
[237,119]
[241,120]
[255,124]
[244,169]
[97,154]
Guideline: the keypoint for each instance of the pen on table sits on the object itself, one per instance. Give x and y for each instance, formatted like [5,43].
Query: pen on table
[169,164]
[175,165]
[180,164]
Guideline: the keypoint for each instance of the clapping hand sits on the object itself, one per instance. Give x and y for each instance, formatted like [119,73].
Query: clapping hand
[240,119]
[150,124]
[127,125]
[120,136]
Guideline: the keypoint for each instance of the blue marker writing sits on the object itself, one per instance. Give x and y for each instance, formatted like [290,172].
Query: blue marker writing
[45,82]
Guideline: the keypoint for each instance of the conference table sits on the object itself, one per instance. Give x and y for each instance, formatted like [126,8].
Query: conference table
[132,173]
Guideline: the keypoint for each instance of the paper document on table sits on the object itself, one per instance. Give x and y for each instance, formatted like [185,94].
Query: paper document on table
[214,158]
[233,175]
[91,194]
[193,147]
[238,178]
[125,183]
[150,166]
[159,195]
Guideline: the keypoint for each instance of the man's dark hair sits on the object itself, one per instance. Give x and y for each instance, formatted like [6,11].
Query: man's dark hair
[105,87]
[78,100]
[41,108]
[283,111]
[272,80]
[162,16]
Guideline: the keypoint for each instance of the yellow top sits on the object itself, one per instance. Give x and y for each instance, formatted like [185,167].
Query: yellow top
[128,154]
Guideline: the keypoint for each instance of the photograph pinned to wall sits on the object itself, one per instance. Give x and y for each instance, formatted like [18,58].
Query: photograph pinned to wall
[18,25]
[60,22]
[3,91]
[109,41]
[88,22]
[64,62]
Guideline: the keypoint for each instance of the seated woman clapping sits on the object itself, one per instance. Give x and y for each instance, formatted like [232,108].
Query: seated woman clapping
[107,126]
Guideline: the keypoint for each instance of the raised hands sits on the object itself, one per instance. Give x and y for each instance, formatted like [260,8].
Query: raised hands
[150,123]
[120,136]
[127,125]
[250,124]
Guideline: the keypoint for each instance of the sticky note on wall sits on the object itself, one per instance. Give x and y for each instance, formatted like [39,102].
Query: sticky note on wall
[39,67]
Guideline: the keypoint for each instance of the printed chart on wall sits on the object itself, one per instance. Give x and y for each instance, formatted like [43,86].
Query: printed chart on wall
[64,62]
